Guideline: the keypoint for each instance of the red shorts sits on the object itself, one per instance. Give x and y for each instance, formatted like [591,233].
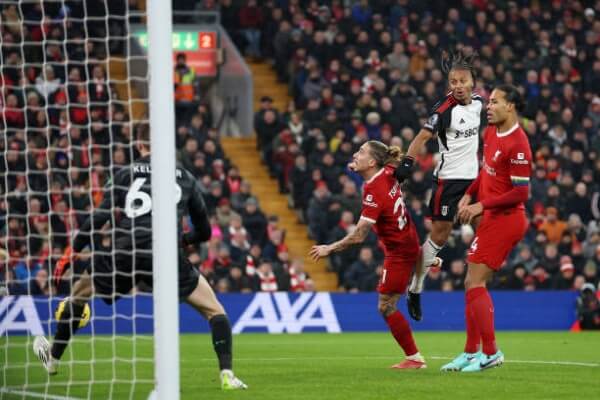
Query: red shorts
[396,275]
[496,236]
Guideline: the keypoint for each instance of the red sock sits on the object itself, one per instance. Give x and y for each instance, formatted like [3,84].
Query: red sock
[483,313]
[473,334]
[401,331]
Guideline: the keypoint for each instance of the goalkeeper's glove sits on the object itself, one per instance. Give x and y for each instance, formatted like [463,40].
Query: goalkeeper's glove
[62,265]
[404,170]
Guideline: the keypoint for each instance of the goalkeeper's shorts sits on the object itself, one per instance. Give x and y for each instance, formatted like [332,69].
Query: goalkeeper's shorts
[116,273]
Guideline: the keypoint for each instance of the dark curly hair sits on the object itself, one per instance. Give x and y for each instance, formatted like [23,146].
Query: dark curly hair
[512,95]
[458,61]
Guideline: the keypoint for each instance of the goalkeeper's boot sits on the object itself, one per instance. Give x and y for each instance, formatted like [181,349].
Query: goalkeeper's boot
[41,347]
[413,300]
[485,362]
[462,361]
[231,382]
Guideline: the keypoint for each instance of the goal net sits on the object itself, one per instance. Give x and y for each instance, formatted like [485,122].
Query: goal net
[70,101]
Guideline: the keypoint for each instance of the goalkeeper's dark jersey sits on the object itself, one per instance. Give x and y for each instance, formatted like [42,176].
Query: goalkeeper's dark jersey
[127,205]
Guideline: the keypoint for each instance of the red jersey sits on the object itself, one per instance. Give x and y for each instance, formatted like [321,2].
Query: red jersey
[384,207]
[506,163]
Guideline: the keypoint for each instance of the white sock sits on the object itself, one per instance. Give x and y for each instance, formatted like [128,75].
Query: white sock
[428,253]
[416,357]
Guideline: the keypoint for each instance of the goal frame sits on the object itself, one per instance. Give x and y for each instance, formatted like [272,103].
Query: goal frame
[164,212]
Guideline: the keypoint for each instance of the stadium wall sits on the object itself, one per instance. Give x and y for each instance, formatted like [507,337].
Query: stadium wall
[296,313]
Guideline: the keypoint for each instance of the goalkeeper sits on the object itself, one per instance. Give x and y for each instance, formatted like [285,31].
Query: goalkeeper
[127,204]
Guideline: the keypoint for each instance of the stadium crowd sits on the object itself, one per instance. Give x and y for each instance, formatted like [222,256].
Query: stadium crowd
[371,70]
[356,71]
[66,132]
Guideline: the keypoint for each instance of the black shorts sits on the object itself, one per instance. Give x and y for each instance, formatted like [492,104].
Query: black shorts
[445,195]
[115,274]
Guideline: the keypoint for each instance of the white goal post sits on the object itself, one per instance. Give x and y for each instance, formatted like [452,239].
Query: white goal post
[162,129]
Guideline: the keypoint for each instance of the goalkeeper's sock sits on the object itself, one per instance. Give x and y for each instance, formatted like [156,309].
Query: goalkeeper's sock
[473,334]
[221,338]
[401,331]
[66,326]
[429,251]
[483,314]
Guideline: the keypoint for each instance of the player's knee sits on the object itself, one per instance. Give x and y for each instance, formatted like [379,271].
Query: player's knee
[386,309]
[213,310]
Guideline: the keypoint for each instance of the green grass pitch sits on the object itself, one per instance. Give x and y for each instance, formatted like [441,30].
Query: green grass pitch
[539,365]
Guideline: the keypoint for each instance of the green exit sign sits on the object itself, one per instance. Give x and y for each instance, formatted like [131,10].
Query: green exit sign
[181,41]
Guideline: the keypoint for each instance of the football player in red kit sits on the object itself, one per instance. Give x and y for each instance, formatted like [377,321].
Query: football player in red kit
[501,189]
[383,209]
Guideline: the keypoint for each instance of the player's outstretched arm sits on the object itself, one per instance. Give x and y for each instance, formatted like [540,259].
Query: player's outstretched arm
[403,170]
[358,235]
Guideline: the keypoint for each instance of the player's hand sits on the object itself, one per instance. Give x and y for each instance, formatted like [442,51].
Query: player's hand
[465,201]
[404,170]
[63,264]
[468,213]
[321,251]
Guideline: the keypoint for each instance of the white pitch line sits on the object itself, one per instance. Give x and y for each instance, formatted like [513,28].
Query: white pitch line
[571,363]
[35,394]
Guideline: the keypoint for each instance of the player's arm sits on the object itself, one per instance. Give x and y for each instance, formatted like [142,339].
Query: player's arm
[96,220]
[83,237]
[470,193]
[358,235]
[428,131]
[520,170]
[198,214]
[406,164]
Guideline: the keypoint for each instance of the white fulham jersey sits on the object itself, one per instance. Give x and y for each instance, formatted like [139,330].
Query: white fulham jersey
[457,129]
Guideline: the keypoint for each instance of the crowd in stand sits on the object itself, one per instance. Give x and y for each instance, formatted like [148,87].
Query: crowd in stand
[356,71]
[66,133]
[360,70]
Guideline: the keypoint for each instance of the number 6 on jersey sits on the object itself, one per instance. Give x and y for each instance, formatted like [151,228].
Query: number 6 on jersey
[138,202]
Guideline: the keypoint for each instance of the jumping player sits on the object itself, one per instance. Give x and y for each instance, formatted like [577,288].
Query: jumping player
[455,121]
[383,209]
[501,188]
[111,276]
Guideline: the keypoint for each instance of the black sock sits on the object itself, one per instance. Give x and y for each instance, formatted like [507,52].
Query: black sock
[66,327]
[221,338]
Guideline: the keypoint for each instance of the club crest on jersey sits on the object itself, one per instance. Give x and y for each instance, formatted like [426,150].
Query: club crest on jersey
[433,120]
[369,201]
[444,210]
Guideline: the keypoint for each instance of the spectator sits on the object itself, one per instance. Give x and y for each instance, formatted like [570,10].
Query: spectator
[553,227]
[265,279]
[255,221]
[361,274]
[457,274]
[564,280]
[238,281]
[251,20]
[517,279]
[588,308]
[317,212]
[184,79]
